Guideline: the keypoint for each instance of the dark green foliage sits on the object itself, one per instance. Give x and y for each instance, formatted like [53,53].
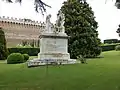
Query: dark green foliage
[81,26]
[117,48]
[29,51]
[81,59]
[110,41]
[3,49]
[26,57]
[118,30]
[15,58]
[108,47]
[118,41]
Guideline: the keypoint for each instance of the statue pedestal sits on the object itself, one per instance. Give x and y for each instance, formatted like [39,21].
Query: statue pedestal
[53,49]
[54,46]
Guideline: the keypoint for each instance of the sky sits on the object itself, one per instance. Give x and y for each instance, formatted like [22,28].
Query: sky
[107,15]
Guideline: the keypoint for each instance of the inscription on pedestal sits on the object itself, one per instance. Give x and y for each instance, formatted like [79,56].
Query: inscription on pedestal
[55,45]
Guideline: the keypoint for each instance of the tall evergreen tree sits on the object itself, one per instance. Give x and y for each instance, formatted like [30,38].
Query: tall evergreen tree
[3,49]
[81,26]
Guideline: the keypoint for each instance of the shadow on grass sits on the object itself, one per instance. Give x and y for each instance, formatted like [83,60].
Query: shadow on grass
[99,57]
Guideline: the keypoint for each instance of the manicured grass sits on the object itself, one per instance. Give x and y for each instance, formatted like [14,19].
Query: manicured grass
[98,74]
[32,57]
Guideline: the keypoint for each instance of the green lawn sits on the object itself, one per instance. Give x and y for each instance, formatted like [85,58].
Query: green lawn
[98,74]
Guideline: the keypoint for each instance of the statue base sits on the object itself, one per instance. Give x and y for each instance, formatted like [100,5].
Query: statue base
[53,49]
[54,46]
[38,62]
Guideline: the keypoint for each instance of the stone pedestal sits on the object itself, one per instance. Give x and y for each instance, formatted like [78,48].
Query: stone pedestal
[54,46]
[53,49]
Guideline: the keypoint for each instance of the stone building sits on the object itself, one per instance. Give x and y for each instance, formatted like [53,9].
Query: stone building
[18,30]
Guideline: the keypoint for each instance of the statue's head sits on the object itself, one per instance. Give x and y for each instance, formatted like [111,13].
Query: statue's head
[49,15]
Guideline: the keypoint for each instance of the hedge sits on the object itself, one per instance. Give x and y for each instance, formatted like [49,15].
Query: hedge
[109,47]
[35,51]
[109,41]
[29,51]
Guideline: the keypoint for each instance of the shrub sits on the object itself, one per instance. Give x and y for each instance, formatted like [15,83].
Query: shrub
[15,58]
[26,57]
[117,48]
[3,49]
[81,59]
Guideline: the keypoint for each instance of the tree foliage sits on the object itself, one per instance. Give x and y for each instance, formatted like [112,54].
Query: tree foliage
[118,30]
[39,5]
[3,49]
[81,26]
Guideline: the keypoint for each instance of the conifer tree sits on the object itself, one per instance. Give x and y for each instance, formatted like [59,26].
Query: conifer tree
[3,49]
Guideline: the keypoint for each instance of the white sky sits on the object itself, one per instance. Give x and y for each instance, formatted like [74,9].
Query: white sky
[107,15]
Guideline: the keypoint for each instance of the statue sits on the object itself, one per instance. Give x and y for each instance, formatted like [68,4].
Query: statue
[60,22]
[48,24]
[58,27]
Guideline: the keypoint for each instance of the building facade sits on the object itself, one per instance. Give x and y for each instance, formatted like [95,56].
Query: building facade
[18,30]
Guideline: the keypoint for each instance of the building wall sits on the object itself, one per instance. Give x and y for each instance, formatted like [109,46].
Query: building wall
[16,31]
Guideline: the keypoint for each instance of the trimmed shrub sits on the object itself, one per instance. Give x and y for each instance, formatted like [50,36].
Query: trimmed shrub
[110,41]
[15,58]
[117,48]
[29,51]
[26,57]
[3,49]
[108,47]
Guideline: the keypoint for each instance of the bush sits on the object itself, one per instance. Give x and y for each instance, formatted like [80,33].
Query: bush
[117,48]
[81,59]
[29,51]
[3,49]
[26,57]
[15,58]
